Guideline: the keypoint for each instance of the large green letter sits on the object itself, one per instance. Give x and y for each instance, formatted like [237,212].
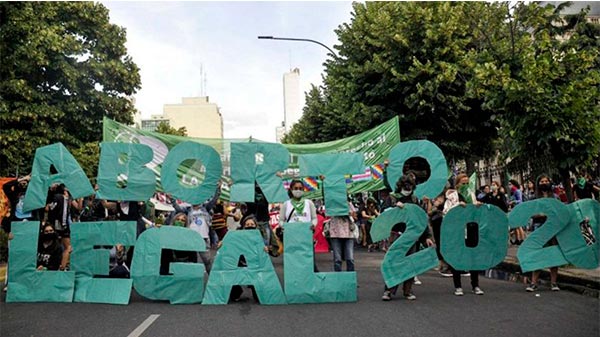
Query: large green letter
[333,166]
[120,162]
[492,245]
[572,243]
[25,283]
[532,254]
[186,285]
[259,272]
[69,173]
[87,261]
[258,162]
[302,284]
[396,266]
[428,151]
[190,150]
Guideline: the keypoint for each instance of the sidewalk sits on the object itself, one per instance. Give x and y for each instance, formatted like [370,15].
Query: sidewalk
[584,281]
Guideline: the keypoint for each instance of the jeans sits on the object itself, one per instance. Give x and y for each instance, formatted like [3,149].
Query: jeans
[348,249]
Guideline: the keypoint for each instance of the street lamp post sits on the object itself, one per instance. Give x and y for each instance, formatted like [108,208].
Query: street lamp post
[296,39]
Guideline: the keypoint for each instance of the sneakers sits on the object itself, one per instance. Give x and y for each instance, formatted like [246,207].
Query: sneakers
[410,297]
[458,292]
[387,296]
[417,281]
[445,272]
[478,291]
[465,274]
[554,287]
[531,288]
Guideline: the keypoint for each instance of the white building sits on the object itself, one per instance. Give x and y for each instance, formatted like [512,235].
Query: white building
[292,99]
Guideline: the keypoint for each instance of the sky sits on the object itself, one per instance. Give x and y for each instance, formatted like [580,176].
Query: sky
[171,41]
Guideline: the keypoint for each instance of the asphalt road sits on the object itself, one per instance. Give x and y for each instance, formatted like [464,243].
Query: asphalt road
[505,310]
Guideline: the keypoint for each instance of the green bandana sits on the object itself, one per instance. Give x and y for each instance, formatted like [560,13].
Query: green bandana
[464,191]
[298,206]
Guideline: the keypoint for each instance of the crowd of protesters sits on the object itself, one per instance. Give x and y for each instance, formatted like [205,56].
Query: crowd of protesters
[213,218]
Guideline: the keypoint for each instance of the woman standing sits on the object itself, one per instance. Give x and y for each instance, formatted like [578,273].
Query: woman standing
[298,209]
[369,213]
[462,196]
[543,190]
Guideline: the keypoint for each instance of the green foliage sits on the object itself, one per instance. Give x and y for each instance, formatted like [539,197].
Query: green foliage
[63,67]
[88,157]
[164,127]
[411,59]
[543,81]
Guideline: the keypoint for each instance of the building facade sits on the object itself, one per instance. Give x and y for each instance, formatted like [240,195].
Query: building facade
[292,100]
[201,118]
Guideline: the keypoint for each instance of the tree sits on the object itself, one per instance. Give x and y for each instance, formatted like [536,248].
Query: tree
[307,130]
[88,157]
[164,127]
[414,60]
[544,85]
[63,66]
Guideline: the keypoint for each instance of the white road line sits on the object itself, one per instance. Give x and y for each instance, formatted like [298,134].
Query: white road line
[142,327]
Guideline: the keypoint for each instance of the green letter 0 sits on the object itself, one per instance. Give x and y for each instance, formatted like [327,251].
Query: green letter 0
[492,245]
[190,150]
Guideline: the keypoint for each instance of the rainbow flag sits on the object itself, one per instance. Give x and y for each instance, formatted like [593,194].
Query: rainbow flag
[363,176]
[377,171]
[311,183]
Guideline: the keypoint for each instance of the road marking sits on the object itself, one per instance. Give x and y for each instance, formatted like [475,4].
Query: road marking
[142,327]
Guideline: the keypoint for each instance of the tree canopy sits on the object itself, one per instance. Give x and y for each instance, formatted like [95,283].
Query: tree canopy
[467,76]
[63,66]
[164,127]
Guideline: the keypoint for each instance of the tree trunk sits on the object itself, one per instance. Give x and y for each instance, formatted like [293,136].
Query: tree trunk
[470,166]
[566,181]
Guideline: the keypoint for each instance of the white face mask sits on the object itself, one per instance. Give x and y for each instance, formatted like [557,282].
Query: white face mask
[297,194]
[405,193]
[494,188]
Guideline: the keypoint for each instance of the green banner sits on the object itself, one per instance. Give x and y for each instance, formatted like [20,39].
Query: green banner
[375,145]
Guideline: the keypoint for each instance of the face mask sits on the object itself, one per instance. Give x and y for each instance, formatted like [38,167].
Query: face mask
[545,187]
[494,188]
[48,237]
[297,194]
[406,193]
[179,223]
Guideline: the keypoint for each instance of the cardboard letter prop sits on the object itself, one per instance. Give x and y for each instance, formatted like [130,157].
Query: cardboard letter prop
[396,266]
[87,261]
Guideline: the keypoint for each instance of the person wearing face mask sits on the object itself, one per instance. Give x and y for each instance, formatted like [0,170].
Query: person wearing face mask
[495,197]
[461,196]
[298,209]
[250,222]
[167,256]
[49,250]
[405,187]
[543,190]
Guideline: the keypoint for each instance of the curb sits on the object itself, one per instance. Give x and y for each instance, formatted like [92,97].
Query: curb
[582,284]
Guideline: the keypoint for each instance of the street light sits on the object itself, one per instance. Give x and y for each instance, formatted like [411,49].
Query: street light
[295,39]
